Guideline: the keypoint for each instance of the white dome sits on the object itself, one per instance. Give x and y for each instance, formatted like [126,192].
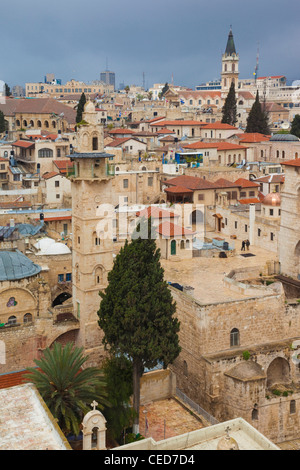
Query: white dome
[48,246]
[44,243]
[57,249]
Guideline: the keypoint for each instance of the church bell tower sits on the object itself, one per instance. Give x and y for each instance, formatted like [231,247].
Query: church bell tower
[92,184]
[230,66]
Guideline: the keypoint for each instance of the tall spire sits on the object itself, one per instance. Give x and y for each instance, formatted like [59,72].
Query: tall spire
[230,48]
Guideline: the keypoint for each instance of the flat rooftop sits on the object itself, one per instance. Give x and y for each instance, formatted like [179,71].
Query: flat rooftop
[206,275]
[26,423]
[167,418]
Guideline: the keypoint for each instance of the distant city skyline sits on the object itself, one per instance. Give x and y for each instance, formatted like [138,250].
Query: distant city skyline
[147,43]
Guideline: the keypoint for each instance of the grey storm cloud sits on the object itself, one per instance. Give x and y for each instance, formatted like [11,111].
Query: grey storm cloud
[160,38]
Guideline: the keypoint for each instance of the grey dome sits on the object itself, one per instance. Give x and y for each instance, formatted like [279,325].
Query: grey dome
[14,266]
[284,138]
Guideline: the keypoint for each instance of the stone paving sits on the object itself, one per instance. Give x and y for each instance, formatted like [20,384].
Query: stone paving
[206,275]
[167,418]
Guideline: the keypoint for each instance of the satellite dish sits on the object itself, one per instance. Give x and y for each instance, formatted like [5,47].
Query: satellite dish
[285,125]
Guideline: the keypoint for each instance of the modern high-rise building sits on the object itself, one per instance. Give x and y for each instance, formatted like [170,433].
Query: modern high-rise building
[107,77]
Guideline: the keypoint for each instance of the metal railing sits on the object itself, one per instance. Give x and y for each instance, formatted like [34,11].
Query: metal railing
[200,411]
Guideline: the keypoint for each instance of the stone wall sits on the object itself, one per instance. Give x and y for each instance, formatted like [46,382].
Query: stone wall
[157,385]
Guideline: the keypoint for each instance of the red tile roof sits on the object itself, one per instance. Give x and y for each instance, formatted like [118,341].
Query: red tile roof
[63,165]
[178,190]
[253,200]
[254,137]
[12,379]
[218,145]
[23,144]
[223,183]
[50,174]
[168,229]
[243,183]
[191,182]
[295,162]
[117,142]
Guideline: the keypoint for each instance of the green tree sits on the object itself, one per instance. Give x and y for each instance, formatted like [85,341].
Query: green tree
[66,387]
[229,110]
[118,376]
[258,118]
[80,108]
[137,309]
[7,90]
[295,127]
[164,90]
[2,122]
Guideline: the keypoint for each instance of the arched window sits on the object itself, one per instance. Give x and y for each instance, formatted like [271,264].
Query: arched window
[54,124]
[31,123]
[46,124]
[18,123]
[283,154]
[117,168]
[187,244]
[144,168]
[39,124]
[12,320]
[234,337]
[25,124]
[255,413]
[45,153]
[99,275]
[27,318]
[277,153]
[182,245]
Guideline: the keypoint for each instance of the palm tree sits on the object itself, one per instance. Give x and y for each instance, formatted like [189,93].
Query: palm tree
[66,387]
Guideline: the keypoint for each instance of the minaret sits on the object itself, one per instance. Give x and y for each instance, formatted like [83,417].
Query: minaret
[92,182]
[230,66]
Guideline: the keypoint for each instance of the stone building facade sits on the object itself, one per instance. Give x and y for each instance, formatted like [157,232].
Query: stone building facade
[237,360]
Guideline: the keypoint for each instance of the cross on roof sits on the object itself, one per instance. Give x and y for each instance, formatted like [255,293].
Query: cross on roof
[94,405]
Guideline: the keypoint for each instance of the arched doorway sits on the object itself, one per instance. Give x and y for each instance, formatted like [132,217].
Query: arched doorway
[278,372]
[173,247]
[196,217]
[61,298]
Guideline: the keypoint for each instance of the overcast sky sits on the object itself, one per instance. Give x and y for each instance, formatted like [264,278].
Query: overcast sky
[186,38]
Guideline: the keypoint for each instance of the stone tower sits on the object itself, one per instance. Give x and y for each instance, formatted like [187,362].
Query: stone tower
[92,181]
[230,66]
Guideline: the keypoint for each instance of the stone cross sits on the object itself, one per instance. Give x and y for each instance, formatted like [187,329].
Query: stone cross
[94,405]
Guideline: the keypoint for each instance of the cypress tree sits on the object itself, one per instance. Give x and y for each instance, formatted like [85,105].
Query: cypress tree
[2,122]
[80,108]
[257,120]
[295,128]
[136,311]
[229,109]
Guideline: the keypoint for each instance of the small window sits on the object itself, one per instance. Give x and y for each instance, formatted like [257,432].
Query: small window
[150,181]
[69,277]
[272,236]
[60,278]
[235,224]
[125,183]
[292,406]
[12,320]
[185,369]
[259,232]
[57,196]
[234,337]
[271,211]
[27,318]
[200,197]
[57,184]
[255,414]
[246,228]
